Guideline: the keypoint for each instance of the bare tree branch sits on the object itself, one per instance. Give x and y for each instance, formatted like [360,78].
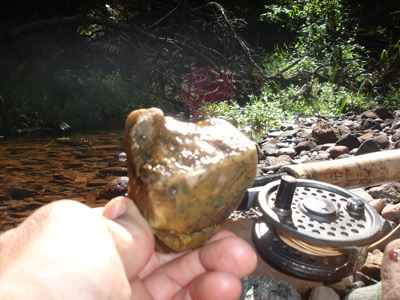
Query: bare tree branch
[235,35]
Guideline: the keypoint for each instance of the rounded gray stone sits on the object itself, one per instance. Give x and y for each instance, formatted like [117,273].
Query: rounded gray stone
[261,288]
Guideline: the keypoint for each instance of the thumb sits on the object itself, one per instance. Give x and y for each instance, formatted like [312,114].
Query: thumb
[132,234]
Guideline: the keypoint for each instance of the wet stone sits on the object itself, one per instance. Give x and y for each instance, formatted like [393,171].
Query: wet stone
[396,145]
[344,129]
[106,147]
[371,292]
[116,187]
[118,171]
[260,153]
[372,266]
[396,136]
[391,212]
[387,122]
[304,146]
[274,133]
[349,140]
[365,136]
[97,182]
[290,133]
[377,204]
[62,179]
[369,146]
[281,160]
[382,140]
[371,124]
[261,288]
[320,155]
[282,145]
[21,193]
[73,165]
[324,133]
[305,133]
[323,293]
[269,150]
[287,151]
[383,113]
[336,151]
[390,191]
[396,125]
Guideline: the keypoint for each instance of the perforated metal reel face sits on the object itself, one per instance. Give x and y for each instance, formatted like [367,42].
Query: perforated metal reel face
[317,213]
[321,213]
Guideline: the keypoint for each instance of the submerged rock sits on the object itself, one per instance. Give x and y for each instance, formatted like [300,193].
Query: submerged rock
[20,193]
[116,187]
[186,178]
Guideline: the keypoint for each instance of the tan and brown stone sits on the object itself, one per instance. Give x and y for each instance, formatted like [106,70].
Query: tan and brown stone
[372,265]
[186,178]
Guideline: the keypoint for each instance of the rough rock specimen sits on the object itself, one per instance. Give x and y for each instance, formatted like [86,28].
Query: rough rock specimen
[324,133]
[186,178]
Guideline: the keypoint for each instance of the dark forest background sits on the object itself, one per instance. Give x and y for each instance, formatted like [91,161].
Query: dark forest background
[89,63]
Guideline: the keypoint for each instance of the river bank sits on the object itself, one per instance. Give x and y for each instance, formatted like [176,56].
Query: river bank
[37,170]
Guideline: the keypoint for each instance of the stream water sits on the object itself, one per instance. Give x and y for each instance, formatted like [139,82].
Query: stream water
[37,170]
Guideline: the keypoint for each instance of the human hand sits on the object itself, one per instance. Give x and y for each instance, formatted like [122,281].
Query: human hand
[66,250]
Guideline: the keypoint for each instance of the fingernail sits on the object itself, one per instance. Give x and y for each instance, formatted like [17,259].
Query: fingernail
[115,210]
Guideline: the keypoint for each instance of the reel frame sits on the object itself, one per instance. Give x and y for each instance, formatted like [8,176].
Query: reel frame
[317,213]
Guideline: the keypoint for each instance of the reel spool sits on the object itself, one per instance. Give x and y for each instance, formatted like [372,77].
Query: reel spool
[314,230]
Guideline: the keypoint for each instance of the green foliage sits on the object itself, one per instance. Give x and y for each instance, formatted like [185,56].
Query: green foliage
[272,109]
[92,72]
[322,25]
[253,118]
[85,100]
[325,60]
[16,113]
[92,63]
[392,98]
[326,96]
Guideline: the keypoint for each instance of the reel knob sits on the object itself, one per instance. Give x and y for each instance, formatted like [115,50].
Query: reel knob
[356,207]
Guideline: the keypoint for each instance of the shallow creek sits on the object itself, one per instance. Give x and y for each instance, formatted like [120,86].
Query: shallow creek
[37,170]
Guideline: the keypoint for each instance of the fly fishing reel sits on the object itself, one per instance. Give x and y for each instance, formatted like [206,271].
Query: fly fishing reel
[314,230]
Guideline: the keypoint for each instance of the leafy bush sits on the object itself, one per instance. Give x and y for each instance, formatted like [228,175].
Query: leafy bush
[84,100]
[326,51]
[322,26]
[253,119]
